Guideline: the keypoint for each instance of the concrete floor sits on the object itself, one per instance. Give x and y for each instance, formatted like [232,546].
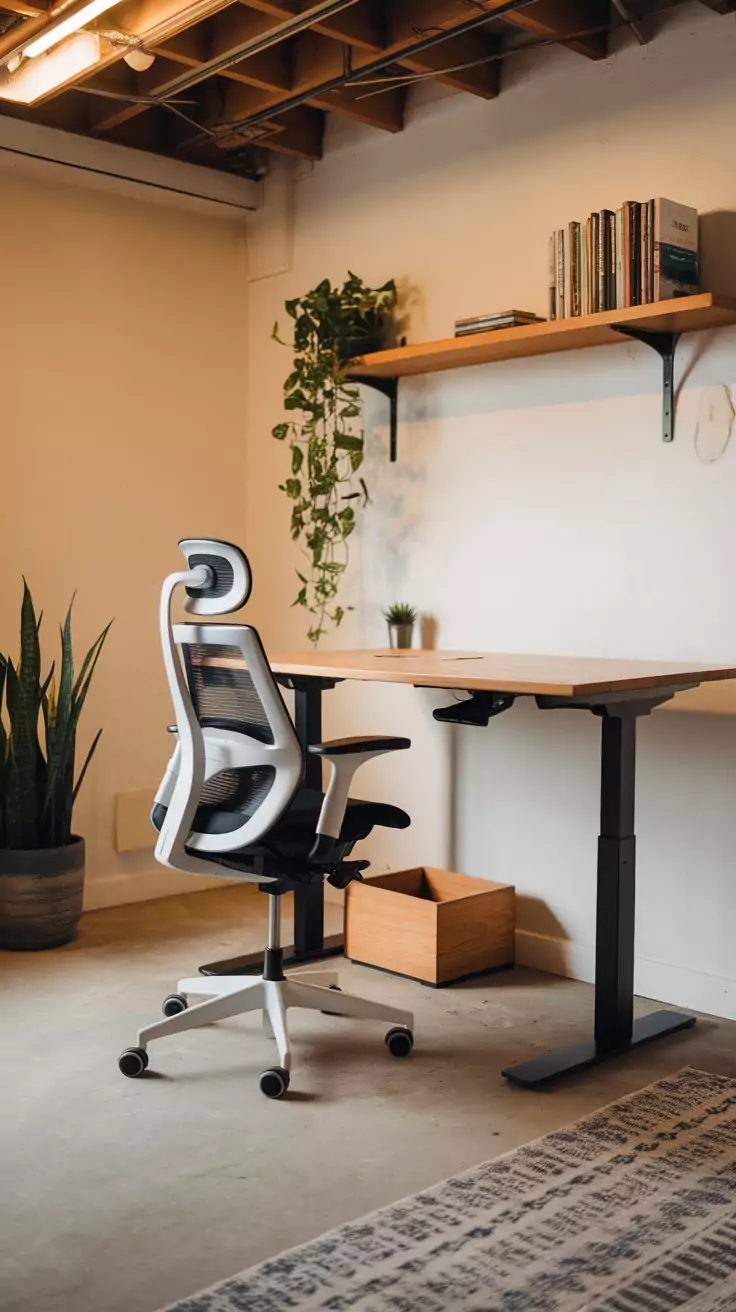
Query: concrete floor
[121,1195]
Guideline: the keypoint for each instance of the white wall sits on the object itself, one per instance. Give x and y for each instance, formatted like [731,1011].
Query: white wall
[123,359]
[534,506]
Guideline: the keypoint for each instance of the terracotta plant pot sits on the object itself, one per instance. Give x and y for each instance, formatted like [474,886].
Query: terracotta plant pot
[41,896]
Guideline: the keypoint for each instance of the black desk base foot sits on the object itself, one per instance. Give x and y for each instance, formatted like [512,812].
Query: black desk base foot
[531,1074]
[252,962]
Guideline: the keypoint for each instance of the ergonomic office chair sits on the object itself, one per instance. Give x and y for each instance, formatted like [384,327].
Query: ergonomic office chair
[232,803]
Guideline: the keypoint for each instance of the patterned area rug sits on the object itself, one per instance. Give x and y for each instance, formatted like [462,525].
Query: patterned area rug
[632,1209]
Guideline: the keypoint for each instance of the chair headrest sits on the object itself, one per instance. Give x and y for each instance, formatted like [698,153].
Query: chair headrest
[229,582]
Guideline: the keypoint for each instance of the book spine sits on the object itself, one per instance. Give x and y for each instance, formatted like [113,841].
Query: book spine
[619,259]
[575,268]
[644,251]
[676,269]
[627,252]
[600,258]
[595,280]
[584,269]
[608,220]
[560,297]
[635,217]
[552,278]
[566,275]
[650,249]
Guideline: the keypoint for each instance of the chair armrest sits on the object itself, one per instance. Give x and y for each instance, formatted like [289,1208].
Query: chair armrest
[345,756]
[352,746]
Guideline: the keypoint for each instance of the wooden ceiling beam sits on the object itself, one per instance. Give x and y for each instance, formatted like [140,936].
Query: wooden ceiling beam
[270,69]
[161,19]
[552,19]
[481,79]
[189,48]
[360,26]
[109,114]
[25,8]
[384,111]
[299,132]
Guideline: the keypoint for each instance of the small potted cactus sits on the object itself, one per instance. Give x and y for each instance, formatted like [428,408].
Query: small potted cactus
[401,619]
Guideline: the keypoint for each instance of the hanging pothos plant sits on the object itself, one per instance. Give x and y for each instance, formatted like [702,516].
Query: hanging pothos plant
[331,325]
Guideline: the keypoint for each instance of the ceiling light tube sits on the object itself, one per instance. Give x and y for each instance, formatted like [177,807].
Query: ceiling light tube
[36,78]
[52,35]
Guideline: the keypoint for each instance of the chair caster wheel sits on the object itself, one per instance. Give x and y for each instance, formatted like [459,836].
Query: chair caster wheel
[174,1004]
[133,1062]
[274,1082]
[399,1042]
[334,988]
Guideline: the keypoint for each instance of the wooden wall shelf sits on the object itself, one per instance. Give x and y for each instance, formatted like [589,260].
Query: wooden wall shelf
[658,325]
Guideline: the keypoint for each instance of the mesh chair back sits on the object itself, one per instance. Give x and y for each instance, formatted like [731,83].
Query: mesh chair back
[254,762]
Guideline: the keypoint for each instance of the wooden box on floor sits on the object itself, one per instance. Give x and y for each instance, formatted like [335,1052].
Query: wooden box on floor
[433,925]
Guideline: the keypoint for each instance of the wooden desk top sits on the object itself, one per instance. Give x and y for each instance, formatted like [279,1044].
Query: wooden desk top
[562,676]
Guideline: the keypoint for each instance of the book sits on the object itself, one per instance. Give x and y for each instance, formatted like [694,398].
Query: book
[489,323]
[607,260]
[575,269]
[585,268]
[567,271]
[476,320]
[675,250]
[619,258]
[628,254]
[650,250]
[503,319]
[642,252]
[635,253]
[595,223]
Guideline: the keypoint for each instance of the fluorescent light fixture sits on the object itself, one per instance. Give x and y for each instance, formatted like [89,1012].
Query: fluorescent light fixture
[52,35]
[36,78]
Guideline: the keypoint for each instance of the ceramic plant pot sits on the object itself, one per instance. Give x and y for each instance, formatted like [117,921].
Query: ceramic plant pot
[400,635]
[350,347]
[41,896]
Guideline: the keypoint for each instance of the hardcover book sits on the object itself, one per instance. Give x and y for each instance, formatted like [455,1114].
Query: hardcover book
[675,250]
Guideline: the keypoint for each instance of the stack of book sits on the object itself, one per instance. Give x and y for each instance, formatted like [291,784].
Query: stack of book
[486,323]
[636,255]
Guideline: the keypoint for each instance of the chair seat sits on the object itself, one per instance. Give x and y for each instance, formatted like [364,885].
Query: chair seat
[360,817]
[298,824]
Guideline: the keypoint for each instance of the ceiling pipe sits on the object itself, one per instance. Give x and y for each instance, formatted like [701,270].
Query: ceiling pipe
[436,37]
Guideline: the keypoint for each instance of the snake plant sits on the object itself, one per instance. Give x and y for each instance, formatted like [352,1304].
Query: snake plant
[37,784]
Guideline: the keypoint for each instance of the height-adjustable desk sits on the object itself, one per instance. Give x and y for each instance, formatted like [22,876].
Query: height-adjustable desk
[618,691]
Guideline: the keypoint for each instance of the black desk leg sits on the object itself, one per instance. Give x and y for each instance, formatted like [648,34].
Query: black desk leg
[310,943]
[615,1030]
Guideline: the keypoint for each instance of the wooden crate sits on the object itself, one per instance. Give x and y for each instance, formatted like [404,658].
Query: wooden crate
[433,925]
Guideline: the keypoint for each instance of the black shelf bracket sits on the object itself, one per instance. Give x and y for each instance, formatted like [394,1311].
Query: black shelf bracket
[664,344]
[387,387]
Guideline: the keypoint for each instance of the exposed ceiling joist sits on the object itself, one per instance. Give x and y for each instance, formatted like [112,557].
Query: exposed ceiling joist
[552,19]
[361,26]
[27,10]
[229,74]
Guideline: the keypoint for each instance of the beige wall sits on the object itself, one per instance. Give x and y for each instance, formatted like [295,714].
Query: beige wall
[534,506]
[123,359]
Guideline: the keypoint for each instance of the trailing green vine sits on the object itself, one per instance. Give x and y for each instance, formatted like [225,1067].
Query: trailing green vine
[326,443]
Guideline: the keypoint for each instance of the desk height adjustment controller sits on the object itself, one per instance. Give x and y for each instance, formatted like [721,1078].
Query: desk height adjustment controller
[478,709]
